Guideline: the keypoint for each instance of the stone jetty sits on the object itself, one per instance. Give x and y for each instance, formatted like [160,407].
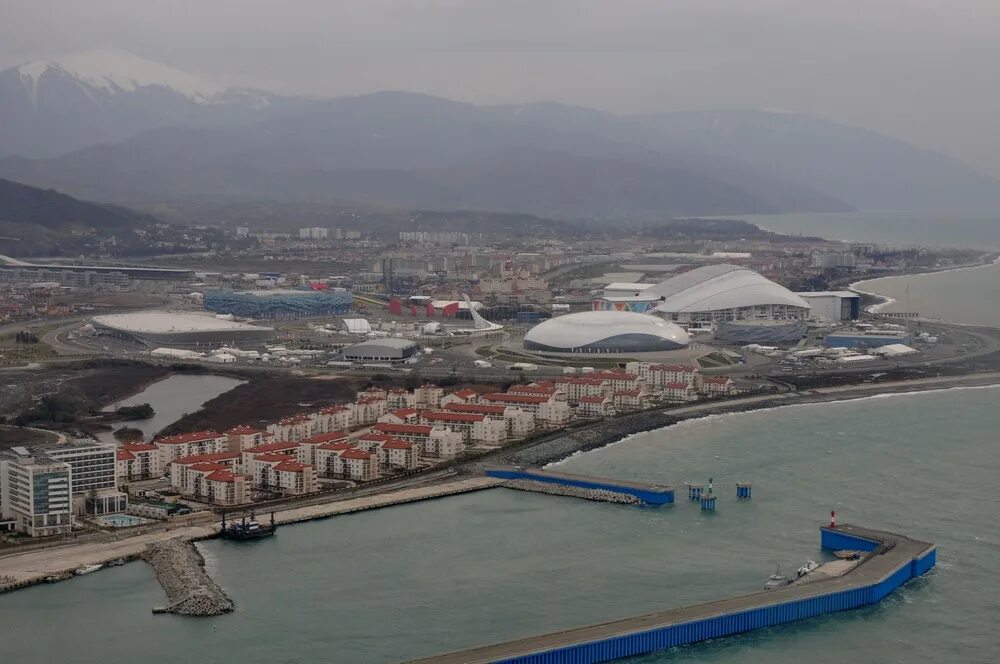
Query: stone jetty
[180,569]
[600,495]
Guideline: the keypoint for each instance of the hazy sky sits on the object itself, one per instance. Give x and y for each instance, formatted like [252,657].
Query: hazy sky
[923,70]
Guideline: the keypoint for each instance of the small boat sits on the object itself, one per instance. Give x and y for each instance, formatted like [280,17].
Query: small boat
[776,580]
[809,567]
[87,569]
[246,529]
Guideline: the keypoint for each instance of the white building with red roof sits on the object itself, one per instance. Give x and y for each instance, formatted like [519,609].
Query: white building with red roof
[474,427]
[428,396]
[396,454]
[715,386]
[548,411]
[179,468]
[400,398]
[307,447]
[595,406]
[519,422]
[577,387]
[626,400]
[360,466]
[186,444]
[657,376]
[328,461]
[243,436]
[366,411]
[679,391]
[432,441]
[401,416]
[139,461]
[291,429]
[282,474]
[461,396]
[331,418]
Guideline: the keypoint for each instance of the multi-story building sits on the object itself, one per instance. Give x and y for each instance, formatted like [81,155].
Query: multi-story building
[180,469]
[428,396]
[367,410]
[396,454]
[658,375]
[400,416]
[626,400]
[578,387]
[359,465]
[679,391]
[595,406]
[289,450]
[548,411]
[461,396]
[94,485]
[243,436]
[139,461]
[281,474]
[715,386]
[328,459]
[474,427]
[519,423]
[332,418]
[291,429]
[400,398]
[187,444]
[35,493]
[216,482]
[307,447]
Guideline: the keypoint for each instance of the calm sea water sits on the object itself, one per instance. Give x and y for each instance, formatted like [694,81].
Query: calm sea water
[977,230]
[419,579]
[964,296]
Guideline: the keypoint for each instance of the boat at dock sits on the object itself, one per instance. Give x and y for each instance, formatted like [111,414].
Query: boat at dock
[87,569]
[809,567]
[776,580]
[246,528]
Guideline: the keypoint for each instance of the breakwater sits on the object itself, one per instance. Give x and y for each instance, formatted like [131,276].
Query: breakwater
[643,492]
[891,560]
[599,495]
[180,569]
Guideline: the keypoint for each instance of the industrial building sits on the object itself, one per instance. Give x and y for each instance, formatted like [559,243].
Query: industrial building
[286,303]
[382,351]
[180,329]
[744,332]
[605,332]
[833,305]
[866,339]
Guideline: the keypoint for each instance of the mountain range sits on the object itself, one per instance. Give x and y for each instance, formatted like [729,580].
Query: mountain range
[113,127]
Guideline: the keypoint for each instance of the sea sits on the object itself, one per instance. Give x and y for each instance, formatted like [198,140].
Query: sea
[415,580]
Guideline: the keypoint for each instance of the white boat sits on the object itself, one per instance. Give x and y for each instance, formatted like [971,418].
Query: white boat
[87,569]
[809,567]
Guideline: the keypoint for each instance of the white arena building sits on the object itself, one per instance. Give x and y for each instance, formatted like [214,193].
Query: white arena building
[180,329]
[610,332]
[714,294]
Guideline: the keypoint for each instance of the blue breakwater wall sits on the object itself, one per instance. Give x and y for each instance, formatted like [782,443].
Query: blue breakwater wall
[651,495]
[739,621]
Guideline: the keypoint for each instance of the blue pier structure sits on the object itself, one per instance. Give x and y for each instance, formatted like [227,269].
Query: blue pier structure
[744,490]
[695,491]
[707,502]
[889,561]
[651,494]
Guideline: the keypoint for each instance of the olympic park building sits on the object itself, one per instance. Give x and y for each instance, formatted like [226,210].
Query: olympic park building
[735,302]
[155,329]
[605,332]
[287,303]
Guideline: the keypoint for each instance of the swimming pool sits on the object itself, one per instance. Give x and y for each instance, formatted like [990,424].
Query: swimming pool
[121,520]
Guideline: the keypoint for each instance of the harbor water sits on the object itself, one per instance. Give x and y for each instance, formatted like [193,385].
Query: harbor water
[424,578]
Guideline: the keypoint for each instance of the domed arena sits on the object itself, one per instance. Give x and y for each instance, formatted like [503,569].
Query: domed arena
[611,332]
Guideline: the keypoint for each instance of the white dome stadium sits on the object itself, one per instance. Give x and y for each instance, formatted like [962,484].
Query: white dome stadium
[726,292]
[605,332]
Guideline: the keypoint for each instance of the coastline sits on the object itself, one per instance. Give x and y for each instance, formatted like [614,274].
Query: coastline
[885,300]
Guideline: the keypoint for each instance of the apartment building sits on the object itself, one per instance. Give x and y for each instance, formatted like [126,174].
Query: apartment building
[188,444]
[595,407]
[243,436]
[519,423]
[139,461]
[474,427]
[291,429]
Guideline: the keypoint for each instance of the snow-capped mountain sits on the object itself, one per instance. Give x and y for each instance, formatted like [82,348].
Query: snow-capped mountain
[53,107]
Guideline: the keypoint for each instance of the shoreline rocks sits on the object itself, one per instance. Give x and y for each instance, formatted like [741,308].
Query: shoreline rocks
[180,569]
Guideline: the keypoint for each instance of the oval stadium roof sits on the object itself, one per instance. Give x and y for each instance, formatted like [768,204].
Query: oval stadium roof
[605,331]
[715,287]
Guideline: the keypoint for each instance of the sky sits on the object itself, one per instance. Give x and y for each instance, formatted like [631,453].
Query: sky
[924,71]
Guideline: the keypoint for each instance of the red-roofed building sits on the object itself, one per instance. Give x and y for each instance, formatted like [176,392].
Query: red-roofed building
[396,454]
[474,427]
[281,474]
[519,422]
[658,375]
[291,429]
[244,436]
[286,450]
[332,418]
[144,461]
[329,462]
[307,447]
[366,411]
[400,398]
[401,416]
[679,392]
[620,380]
[548,411]
[461,396]
[595,406]
[360,466]
[715,386]
[626,400]
[577,387]
[428,396]
[181,469]
[186,444]
[432,441]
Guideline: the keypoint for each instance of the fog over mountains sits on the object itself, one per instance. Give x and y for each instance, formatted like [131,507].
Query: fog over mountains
[117,128]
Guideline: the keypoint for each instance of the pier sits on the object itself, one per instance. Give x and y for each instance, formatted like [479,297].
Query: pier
[644,492]
[890,560]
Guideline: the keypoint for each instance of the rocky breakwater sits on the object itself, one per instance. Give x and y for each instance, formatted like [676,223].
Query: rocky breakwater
[600,495]
[180,569]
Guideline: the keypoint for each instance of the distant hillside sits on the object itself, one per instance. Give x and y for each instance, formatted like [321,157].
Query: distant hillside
[45,221]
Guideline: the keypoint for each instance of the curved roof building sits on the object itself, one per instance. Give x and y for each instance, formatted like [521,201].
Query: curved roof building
[712,294]
[288,303]
[180,329]
[605,332]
